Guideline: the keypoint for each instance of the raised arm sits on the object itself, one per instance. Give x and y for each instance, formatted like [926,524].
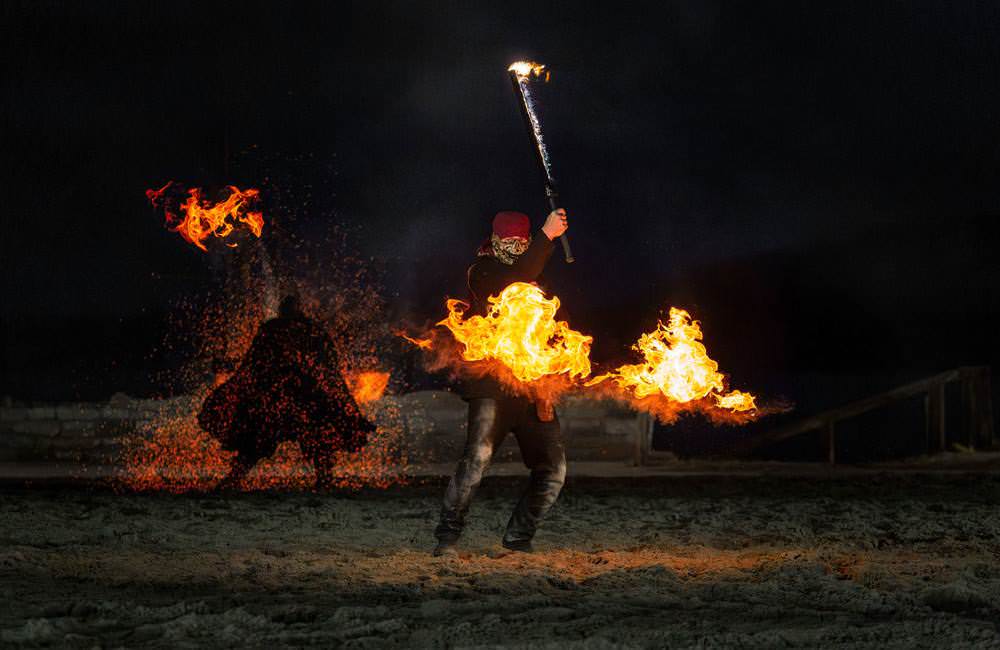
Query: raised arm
[488,278]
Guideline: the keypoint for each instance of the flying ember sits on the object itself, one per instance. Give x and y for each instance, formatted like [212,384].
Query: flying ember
[423,344]
[677,366]
[199,218]
[520,330]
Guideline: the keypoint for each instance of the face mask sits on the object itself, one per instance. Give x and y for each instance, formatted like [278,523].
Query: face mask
[508,249]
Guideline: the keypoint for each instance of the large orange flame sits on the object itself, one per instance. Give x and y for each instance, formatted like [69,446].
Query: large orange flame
[520,331]
[677,366]
[200,218]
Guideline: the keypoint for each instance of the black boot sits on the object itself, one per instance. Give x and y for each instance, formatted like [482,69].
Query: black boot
[445,547]
[520,546]
[543,451]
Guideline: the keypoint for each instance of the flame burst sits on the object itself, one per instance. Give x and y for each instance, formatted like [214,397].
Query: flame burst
[367,386]
[677,367]
[520,331]
[200,218]
[525,69]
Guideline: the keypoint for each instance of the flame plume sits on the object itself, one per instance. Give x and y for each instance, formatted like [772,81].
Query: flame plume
[200,218]
[677,366]
[520,331]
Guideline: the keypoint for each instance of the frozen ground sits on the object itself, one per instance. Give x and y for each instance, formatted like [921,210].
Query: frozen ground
[878,561]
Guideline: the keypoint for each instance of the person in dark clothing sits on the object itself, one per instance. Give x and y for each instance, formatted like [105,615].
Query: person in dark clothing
[510,255]
[288,387]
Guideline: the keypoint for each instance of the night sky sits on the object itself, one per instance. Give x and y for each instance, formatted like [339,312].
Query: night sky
[819,183]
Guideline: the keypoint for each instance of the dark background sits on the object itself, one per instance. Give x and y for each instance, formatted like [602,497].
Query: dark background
[818,183]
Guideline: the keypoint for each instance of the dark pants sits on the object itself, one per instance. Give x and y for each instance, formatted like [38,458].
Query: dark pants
[490,420]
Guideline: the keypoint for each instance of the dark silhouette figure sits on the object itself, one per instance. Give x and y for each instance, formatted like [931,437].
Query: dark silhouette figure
[288,387]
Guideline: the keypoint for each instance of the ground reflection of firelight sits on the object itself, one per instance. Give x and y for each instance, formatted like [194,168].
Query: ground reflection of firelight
[176,455]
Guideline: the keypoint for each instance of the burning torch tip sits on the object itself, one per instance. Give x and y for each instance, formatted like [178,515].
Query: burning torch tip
[524,69]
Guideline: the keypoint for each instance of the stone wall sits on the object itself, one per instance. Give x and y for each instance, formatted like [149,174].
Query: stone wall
[594,430]
[86,432]
[434,424]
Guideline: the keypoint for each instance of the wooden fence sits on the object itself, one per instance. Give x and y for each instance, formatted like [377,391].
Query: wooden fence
[975,397]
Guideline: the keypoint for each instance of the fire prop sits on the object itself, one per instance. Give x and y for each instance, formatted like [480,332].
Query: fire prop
[521,73]
[200,218]
[520,331]
[677,367]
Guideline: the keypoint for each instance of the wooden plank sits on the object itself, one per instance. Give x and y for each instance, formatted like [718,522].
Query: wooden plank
[639,451]
[830,433]
[936,417]
[853,409]
[979,414]
[987,426]
[930,443]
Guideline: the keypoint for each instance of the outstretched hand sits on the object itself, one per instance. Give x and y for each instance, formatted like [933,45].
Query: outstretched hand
[555,224]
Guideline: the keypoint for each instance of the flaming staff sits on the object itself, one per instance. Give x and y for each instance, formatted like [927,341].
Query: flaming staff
[520,75]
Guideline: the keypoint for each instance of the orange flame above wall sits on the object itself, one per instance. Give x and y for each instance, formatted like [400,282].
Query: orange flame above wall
[200,218]
[677,366]
[367,386]
[520,331]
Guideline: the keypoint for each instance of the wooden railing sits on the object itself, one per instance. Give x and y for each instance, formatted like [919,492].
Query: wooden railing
[976,401]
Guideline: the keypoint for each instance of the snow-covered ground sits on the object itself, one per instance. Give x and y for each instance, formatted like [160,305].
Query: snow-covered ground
[877,561]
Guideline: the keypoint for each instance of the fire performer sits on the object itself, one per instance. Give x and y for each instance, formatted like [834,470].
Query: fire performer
[510,255]
[288,387]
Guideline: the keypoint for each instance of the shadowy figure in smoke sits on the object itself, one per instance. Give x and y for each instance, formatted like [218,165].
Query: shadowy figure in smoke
[288,387]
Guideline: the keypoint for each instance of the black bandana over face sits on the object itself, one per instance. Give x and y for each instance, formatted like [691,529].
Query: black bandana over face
[508,249]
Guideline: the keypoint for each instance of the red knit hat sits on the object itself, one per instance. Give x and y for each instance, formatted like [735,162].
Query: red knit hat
[511,224]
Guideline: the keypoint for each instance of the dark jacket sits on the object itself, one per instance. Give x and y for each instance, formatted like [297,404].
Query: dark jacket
[488,277]
[288,387]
